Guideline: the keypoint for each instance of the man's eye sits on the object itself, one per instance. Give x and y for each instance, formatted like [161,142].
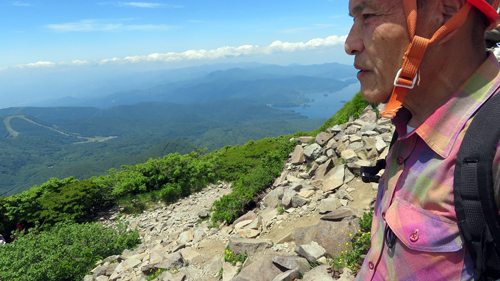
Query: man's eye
[367,16]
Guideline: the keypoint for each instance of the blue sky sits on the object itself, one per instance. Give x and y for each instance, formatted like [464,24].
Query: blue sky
[90,31]
[56,48]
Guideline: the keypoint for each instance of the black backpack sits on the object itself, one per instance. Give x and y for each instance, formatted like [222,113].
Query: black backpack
[475,203]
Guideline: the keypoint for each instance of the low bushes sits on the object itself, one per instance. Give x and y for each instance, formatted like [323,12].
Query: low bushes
[66,252]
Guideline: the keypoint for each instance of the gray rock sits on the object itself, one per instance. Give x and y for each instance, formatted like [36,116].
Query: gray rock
[312,151]
[289,275]
[380,145]
[177,261]
[248,216]
[287,197]
[322,159]
[304,139]
[298,201]
[180,276]
[203,214]
[130,263]
[342,194]
[336,129]
[328,205]
[228,271]
[322,170]
[323,137]
[349,155]
[334,178]
[249,246]
[262,269]
[312,251]
[292,262]
[298,155]
[368,115]
[297,186]
[342,229]
[100,270]
[88,278]
[273,198]
[339,214]
[319,273]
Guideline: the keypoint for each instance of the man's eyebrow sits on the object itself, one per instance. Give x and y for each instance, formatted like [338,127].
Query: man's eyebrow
[360,7]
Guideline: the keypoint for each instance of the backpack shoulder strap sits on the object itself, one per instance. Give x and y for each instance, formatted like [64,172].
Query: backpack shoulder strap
[475,203]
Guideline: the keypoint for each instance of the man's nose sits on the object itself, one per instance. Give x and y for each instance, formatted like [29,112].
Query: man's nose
[353,43]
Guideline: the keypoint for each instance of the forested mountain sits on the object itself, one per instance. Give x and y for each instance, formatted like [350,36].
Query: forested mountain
[223,107]
[269,84]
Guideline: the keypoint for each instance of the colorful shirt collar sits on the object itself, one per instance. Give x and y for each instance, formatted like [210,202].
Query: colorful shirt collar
[441,129]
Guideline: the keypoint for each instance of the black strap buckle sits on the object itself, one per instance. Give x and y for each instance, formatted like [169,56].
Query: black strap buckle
[369,173]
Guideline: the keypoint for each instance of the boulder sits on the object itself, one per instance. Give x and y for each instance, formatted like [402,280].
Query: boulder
[262,269]
[248,216]
[312,151]
[312,251]
[298,201]
[291,262]
[304,139]
[289,275]
[334,179]
[298,155]
[228,271]
[339,214]
[249,246]
[322,170]
[273,198]
[323,137]
[328,205]
[319,273]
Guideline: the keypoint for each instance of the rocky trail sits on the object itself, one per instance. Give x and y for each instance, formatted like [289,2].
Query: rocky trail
[308,212]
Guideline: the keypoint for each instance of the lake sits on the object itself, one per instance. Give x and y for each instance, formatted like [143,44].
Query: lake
[324,105]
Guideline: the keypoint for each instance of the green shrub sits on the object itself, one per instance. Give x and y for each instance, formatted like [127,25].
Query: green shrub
[354,253]
[270,164]
[352,108]
[66,252]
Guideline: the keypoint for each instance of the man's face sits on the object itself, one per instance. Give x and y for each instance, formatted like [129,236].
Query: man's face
[378,39]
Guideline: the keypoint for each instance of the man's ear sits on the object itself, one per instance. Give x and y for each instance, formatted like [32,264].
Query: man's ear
[449,8]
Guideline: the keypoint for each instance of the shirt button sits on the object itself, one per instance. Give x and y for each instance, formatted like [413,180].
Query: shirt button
[400,160]
[414,236]
[370,265]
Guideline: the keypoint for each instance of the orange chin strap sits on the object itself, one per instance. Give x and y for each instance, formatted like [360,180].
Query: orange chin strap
[407,75]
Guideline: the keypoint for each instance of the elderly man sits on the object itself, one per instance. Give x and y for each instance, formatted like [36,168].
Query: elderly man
[427,60]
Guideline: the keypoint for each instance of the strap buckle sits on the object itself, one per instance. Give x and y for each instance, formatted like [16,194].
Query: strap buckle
[404,86]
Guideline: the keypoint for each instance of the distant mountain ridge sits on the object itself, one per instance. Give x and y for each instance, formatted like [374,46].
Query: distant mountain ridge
[211,110]
[292,81]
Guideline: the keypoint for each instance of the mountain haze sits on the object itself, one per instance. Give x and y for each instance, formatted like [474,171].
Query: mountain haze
[212,110]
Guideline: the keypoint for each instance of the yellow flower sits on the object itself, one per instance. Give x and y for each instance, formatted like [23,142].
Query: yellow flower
[347,244]
[350,234]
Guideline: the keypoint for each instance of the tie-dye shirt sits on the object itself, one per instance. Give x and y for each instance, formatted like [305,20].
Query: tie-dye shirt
[415,196]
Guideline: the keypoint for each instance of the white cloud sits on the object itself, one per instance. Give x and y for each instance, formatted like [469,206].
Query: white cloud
[37,64]
[103,25]
[228,51]
[20,4]
[3,68]
[75,62]
[84,26]
[219,53]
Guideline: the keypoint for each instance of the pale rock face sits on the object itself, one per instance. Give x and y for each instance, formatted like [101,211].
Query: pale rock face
[319,178]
